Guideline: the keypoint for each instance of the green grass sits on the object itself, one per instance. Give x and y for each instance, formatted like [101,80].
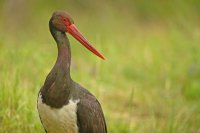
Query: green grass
[149,82]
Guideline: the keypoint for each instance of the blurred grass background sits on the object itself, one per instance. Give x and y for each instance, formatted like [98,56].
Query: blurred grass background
[149,83]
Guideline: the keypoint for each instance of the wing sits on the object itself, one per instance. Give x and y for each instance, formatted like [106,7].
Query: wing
[90,116]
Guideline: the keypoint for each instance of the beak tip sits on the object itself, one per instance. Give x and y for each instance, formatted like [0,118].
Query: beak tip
[76,34]
[101,56]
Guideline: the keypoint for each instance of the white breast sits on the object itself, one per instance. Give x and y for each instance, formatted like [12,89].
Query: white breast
[63,120]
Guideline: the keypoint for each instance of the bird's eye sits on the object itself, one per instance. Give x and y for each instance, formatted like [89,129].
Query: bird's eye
[64,19]
[67,22]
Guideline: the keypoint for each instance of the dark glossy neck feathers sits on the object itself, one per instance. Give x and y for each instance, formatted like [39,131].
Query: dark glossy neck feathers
[64,53]
[56,88]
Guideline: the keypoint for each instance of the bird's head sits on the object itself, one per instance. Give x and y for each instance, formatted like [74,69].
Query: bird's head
[63,22]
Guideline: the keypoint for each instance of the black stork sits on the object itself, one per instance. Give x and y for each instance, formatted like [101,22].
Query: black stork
[63,105]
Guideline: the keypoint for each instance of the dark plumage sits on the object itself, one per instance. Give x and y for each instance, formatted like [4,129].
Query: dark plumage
[59,88]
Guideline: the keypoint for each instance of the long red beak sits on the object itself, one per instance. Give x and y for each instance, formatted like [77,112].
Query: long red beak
[76,34]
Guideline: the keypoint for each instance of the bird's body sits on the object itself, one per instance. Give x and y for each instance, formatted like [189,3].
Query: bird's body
[63,105]
[62,120]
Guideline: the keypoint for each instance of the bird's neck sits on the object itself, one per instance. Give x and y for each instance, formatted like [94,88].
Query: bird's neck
[64,53]
[56,89]
[61,70]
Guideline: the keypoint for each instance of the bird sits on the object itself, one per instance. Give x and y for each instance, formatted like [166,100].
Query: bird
[64,106]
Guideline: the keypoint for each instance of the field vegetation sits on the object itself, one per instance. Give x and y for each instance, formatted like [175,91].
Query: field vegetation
[149,82]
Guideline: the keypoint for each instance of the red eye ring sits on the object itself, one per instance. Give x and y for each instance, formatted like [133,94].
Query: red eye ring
[66,20]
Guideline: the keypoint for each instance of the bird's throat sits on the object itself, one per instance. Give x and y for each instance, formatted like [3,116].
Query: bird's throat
[56,88]
[63,61]
[64,52]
